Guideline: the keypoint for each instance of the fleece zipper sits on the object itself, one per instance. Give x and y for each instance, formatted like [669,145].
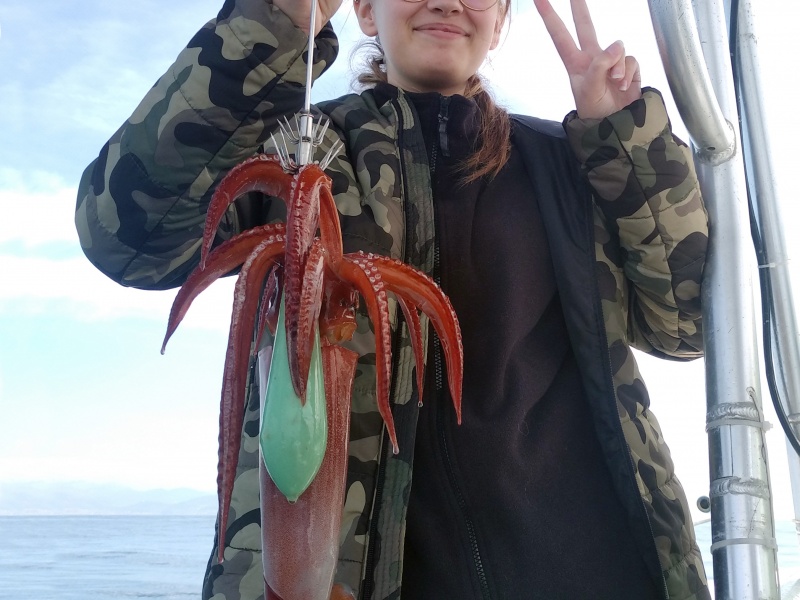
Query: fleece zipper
[368,587]
[441,144]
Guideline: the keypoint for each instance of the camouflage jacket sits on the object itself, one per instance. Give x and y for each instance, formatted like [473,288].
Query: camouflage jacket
[629,253]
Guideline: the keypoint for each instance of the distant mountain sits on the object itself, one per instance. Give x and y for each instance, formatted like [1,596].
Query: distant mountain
[76,498]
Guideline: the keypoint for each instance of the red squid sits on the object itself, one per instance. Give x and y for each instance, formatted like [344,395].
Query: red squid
[303,259]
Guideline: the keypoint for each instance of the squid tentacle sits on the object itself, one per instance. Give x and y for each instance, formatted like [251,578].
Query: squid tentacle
[361,272]
[415,331]
[302,221]
[268,309]
[309,311]
[330,230]
[260,173]
[234,377]
[405,281]
[223,259]
[259,249]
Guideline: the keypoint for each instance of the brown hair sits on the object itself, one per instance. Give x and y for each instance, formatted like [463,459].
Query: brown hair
[494,128]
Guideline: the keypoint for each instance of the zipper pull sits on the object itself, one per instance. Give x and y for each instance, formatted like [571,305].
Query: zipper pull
[443,116]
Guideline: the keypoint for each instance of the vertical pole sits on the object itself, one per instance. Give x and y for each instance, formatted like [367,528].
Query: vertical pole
[743,539]
[743,532]
[765,190]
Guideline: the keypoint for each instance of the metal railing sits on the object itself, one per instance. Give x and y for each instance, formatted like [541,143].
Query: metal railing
[694,43]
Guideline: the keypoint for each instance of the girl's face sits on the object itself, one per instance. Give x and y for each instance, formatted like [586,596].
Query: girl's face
[432,45]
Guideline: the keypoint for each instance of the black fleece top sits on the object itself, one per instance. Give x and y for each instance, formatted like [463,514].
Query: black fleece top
[516,502]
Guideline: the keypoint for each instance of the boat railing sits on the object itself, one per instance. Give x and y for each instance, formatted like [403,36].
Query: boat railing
[716,86]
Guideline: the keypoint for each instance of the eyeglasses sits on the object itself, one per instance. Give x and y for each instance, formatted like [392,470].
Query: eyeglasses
[476,5]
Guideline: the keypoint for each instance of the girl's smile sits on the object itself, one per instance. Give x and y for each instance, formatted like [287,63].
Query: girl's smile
[442,30]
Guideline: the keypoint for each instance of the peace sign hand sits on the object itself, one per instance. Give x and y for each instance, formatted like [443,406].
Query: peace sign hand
[602,81]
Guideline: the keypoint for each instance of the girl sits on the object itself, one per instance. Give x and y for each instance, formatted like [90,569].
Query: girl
[560,248]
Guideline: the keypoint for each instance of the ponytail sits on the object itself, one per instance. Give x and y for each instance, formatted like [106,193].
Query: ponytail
[494,135]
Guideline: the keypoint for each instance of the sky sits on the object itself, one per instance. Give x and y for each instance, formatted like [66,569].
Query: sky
[84,393]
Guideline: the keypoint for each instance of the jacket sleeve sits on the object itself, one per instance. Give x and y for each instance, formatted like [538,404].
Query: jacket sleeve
[646,188]
[142,203]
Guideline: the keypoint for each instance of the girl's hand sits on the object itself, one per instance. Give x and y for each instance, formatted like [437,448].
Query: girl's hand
[299,11]
[602,81]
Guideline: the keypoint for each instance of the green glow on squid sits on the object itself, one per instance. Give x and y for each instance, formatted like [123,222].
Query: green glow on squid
[293,436]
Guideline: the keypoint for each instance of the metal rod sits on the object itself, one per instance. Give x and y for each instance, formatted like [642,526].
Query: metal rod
[738,453]
[310,134]
[758,150]
[310,61]
[682,55]
[305,124]
[743,533]
[743,539]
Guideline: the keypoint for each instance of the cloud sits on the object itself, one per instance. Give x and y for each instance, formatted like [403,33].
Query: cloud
[73,288]
[44,205]
[135,459]
[70,80]
[48,273]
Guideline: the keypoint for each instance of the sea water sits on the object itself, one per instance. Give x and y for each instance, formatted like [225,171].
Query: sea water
[103,557]
[163,557]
